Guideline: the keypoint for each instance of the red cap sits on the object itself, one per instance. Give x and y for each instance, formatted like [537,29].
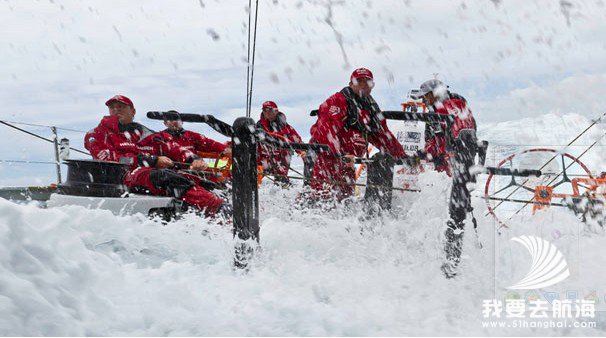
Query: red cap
[270,104]
[361,73]
[120,98]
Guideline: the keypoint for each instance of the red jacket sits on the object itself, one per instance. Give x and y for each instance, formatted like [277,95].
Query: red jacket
[330,129]
[272,158]
[281,128]
[435,137]
[192,141]
[108,143]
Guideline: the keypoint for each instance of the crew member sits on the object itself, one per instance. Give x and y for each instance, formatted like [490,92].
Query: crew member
[452,148]
[275,161]
[347,122]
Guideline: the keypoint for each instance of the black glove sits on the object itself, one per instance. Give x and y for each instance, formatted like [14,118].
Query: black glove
[411,161]
[439,160]
[147,160]
[421,154]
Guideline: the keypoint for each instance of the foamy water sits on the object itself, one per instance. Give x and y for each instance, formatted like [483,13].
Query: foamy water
[72,271]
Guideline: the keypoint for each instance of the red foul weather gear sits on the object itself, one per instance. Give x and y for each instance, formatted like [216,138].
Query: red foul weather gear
[435,133]
[192,141]
[347,123]
[276,160]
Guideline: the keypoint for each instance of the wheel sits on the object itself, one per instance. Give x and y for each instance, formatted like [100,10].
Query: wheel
[513,195]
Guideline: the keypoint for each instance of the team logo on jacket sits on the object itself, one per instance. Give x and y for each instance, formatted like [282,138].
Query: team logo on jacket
[334,110]
[358,139]
[103,155]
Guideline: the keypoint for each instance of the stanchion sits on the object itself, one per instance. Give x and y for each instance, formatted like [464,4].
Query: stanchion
[308,165]
[57,161]
[379,179]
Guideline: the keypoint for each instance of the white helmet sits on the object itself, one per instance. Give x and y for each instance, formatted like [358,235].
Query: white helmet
[438,88]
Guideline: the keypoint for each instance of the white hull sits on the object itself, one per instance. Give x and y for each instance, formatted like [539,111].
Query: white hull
[132,204]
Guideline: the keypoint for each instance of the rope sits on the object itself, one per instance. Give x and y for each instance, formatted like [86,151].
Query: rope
[322,181]
[535,145]
[40,137]
[339,183]
[296,172]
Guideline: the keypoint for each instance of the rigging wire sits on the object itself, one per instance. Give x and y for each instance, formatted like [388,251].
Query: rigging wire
[40,137]
[562,172]
[554,156]
[248,58]
[251,64]
[27,161]
[45,126]
[252,68]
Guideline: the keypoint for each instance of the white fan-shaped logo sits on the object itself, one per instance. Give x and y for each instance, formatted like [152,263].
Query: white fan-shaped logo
[548,264]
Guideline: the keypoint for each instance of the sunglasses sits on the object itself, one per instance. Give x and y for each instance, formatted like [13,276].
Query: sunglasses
[366,80]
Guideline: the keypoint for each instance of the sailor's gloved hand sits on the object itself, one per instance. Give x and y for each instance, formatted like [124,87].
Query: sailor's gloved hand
[421,154]
[164,162]
[198,165]
[411,161]
[226,152]
[439,161]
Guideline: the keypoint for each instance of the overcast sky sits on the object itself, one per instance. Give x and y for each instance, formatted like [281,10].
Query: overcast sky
[61,60]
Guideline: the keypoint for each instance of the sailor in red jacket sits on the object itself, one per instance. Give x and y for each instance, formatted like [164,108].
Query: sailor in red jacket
[453,151]
[347,122]
[188,139]
[118,138]
[275,160]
